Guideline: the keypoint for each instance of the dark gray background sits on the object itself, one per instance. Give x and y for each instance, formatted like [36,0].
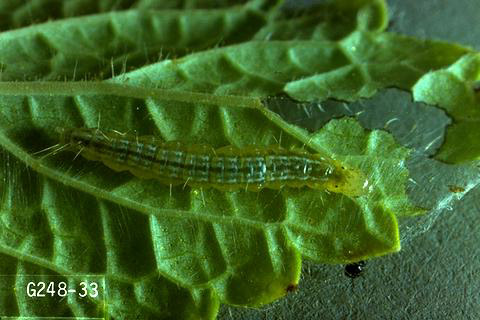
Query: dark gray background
[436,275]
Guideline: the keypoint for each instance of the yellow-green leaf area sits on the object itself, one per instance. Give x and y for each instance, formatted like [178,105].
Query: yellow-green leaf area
[351,229]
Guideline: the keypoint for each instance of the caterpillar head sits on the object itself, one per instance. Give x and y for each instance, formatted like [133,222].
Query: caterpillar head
[350,181]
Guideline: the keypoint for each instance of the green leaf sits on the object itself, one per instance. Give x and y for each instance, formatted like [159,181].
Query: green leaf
[453,89]
[99,46]
[19,13]
[371,62]
[328,20]
[240,248]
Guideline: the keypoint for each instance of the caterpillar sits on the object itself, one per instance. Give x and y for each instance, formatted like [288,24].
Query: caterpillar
[227,168]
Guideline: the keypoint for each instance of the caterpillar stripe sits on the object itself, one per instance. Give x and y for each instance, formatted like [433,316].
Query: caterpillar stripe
[226,169]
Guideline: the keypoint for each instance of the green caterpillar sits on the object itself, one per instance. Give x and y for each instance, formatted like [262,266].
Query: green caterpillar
[227,169]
